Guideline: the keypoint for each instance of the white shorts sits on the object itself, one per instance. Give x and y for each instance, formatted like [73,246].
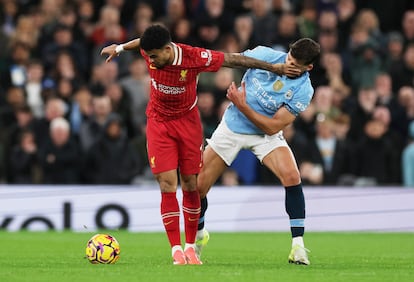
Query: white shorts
[227,144]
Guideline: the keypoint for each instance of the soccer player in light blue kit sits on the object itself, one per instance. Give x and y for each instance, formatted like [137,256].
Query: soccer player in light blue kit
[264,104]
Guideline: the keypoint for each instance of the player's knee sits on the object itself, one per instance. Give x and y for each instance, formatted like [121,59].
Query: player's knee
[189,183]
[166,184]
[203,193]
[290,178]
[202,187]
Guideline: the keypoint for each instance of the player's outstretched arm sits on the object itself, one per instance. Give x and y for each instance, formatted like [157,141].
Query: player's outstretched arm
[270,126]
[233,60]
[115,49]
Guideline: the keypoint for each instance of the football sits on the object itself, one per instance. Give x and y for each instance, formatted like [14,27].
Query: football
[102,248]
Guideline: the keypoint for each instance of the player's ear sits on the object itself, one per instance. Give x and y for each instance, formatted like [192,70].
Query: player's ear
[309,67]
[167,48]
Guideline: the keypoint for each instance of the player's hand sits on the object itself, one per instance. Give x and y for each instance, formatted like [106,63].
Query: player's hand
[289,70]
[110,52]
[238,97]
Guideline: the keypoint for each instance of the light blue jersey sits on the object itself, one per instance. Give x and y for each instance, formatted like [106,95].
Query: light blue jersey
[266,92]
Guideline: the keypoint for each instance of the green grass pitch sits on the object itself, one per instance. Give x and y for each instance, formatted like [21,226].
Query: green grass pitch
[59,256]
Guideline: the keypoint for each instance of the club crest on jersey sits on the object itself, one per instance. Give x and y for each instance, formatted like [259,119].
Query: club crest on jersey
[289,94]
[152,161]
[151,66]
[183,75]
[277,85]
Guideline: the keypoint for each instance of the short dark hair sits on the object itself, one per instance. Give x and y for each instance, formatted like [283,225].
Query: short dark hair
[155,37]
[305,50]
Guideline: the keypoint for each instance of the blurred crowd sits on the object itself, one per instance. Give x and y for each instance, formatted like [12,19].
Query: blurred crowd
[67,117]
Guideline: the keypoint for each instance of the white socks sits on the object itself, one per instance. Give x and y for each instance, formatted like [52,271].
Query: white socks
[200,234]
[298,241]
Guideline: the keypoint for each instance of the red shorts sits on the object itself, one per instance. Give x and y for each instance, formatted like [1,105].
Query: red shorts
[175,144]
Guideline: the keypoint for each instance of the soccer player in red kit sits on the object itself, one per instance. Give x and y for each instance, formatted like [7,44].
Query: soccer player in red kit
[174,129]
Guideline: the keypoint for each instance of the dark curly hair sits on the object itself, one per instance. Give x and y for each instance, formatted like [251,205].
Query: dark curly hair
[305,50]
[155,37]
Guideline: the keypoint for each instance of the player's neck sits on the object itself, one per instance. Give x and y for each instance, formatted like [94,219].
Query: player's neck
[172,54]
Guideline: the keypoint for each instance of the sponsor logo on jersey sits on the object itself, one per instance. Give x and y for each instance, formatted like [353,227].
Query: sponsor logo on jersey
[277,85]
[170,90]
[183,75]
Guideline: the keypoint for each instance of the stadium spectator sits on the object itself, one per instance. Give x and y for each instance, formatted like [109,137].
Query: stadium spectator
[243,28]
[23,161]
[332,155]
[377,159]
[34,86]
[86,15]
[60,156]
[143,17]
[65,67]
[214,11]
[174,11]
[121,104]
[136,86]
[407,24]
[403,73]
[102,76]
[365,58]
[10,135]
[222,80]
[14,99]
[112,160]
[341,128]
[63,41]
[394,50]
[91,128]
[287,31]
[346,17]
[55,107]
[14,67]
[108,28]
[367,100]
[206,104]
[264,23]
[182,31]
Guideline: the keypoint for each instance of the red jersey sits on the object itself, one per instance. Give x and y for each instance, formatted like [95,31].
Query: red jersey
[174,88]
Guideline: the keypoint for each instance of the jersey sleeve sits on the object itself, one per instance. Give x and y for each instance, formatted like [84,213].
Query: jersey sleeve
[263,53]
[300,99]
[207,60]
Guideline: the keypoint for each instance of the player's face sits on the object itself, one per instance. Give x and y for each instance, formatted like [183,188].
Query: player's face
[290,60]
[160,58]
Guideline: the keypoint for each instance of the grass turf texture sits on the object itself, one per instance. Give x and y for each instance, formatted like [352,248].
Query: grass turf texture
[59,256]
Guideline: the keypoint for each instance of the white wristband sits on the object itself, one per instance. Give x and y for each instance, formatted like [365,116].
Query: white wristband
[119,48]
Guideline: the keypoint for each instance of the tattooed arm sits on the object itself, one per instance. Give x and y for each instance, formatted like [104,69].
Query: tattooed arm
[233,60]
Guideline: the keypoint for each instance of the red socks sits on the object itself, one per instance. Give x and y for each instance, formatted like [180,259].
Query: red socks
[191,211]
[170,214]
